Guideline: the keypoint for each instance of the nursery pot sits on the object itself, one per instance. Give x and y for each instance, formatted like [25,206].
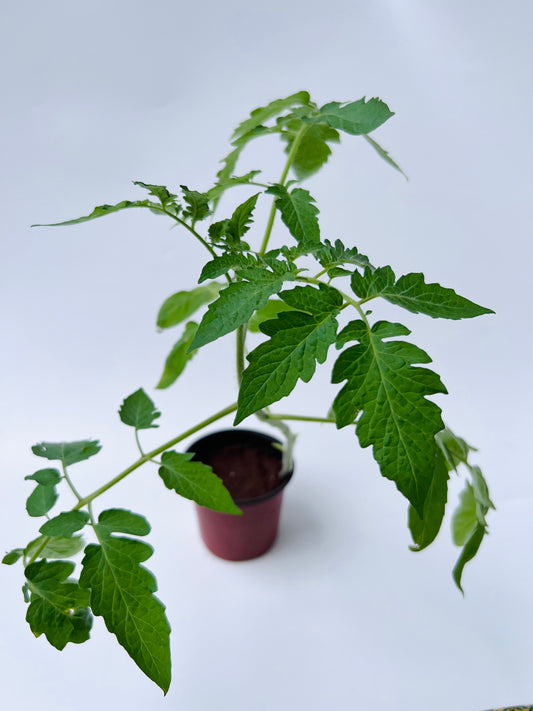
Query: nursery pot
[250,468]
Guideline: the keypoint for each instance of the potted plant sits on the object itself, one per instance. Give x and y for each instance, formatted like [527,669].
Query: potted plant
[306,298]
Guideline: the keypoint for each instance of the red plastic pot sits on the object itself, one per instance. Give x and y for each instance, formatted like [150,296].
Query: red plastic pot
[246,461]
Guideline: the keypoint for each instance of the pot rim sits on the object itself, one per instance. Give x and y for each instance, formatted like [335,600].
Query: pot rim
[236,431]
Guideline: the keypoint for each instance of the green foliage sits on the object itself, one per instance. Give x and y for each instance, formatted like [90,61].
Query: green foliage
[54,547]
[122,592]
[272,308]
[13,556]
[298,212]
[195,481]
[425,529]
[158,191]
[178,357]
[312,150]
[197,204]
[470,549]
[139,411]
[100,211]
[67,452]
[180,306]
[383,154]
[222,265]
[65,524]
[357,118]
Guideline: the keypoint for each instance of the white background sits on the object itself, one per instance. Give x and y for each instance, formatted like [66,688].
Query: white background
[340,614]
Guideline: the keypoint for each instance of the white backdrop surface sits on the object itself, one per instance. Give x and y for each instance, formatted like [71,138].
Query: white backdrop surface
[340,614]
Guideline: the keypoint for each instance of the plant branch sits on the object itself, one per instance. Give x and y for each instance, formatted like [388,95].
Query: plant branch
[70,483]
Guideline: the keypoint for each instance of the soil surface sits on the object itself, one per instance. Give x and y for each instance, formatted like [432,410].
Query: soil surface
[246,472]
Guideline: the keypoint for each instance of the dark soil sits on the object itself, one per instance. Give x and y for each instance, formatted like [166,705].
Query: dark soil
[247,472]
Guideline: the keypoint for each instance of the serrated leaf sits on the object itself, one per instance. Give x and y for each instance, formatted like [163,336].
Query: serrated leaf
[100,211]
[58,605]
[424,530]
[197,204]
[469,551]
[298,341]
[384,154]
[271,310]
[54,547]
[178,357]
[236,304]
[195,481]
[48,477]
[122,592]
[183,304]
[298,212]
[356,118]
[333,255]
[67,452]
[247,179]
[139,411]
[274,108]
[41,500]
[122,521]
[412,293]
[13,556]
[241,218]
[158,191]
[65,524]
[313,149]
[335,272]
[221,265]
[397,419]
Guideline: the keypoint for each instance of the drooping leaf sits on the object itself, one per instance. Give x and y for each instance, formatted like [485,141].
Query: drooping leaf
[465,519]
[469,551]
[13,556]
[195,481]
[424,530]
[180,306]
[397,420]
[54,547]
[265,113]
[357,118]
[100,211]
[221,265]
[481,492]
[65,524]
[270,311]
[197,204]
[298,212]
[312,150]
[385,155]
[178,357]
[454,448]
[122,592]
[412,293]
[58,605]
[139,411]
[158,191]
[123,521]
[236,303]
[41,500]
[332,255]
[47,477]
[298,340]
[67,452]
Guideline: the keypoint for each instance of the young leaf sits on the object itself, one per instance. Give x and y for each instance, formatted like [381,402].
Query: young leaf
[41,500]
[58,605]
[195,481]
[469,551]
[183,304]
[158,191]
[454,448]
[198,204]
[67,452]
[313,149]
[384,154]
[298,212]
[13,556]
[397,420]
[178,357]
[264,113]
[123,521]
[139,411]
[424,530]
[100,211]
[221,265]
[236,303]
[241,219]
[412,293]
[54,547]
[247,179]
[356,118]
[122,592]
[297,342]
[270,311]
[465,519]
[481,492]
[332,255]
[65,524]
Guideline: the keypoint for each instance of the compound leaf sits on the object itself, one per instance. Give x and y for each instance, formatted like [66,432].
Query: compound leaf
[298,212]
[67,452]
[183,304]
[138,411]
[178,357]
[397,419]
[357,118]
[195,481]
[158,191]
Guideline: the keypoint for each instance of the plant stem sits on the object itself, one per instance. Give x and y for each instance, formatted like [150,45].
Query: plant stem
[241,339]
[150,455]
[283,178]
[191,230]
[70,483]
[301,418]
[138,442]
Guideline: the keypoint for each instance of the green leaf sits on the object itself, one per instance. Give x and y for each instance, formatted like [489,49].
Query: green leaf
[412,293]
[139,411]
[122,592]
[58,605]
[425,530]
[271,310]
[178,357]
[236,304]
[241,218]
[356,118]
[298,213]
[67,452]
[183,304]
[481,492]
[13,556]
[122,521]
[100,211]
[333,255]
[217,190]
[195,481]
[469,551]
[54,547]
[158,191]
[65,524]
[384,154]
[313,149]
[397,420]
[264,113]
[41,500]
[454,448]
[221,265]
[197,204]
[464,520]
[47,477]
[297,342]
